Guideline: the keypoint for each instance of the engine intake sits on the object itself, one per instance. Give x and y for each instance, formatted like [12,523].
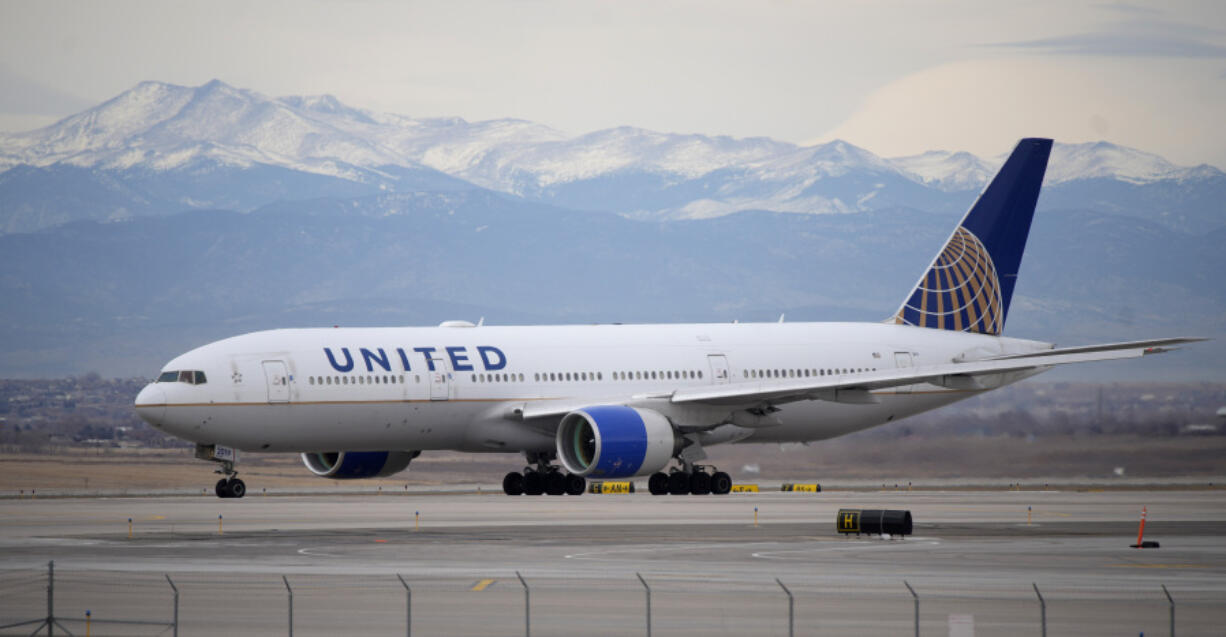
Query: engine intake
[615,441]
[352,465]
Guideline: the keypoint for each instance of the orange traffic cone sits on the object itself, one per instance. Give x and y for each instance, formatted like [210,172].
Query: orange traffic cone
[1141,544]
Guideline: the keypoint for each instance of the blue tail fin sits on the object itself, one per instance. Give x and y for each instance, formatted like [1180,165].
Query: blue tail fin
[970,283]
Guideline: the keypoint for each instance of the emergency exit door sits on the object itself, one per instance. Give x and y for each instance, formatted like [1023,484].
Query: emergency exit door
[719,369]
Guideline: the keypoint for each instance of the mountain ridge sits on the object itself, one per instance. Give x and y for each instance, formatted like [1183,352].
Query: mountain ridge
[166,129]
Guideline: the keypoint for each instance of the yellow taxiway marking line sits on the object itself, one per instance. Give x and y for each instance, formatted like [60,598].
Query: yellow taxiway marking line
[482,585]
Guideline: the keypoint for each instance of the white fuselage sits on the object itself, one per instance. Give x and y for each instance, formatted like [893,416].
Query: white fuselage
[454,387]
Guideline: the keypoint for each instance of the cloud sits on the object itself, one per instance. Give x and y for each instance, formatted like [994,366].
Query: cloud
[22,95]
[1140,32]
[1122,45]
[1131,9]
[1165,106]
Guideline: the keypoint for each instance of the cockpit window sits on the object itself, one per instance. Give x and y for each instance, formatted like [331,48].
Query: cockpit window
[191,377]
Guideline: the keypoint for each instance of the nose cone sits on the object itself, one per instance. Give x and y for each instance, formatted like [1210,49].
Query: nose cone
[151,404]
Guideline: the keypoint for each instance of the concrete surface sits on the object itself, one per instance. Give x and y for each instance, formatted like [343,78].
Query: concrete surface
[712,571]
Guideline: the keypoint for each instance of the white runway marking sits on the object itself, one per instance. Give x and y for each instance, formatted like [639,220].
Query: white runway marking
[824,547]
[597,555]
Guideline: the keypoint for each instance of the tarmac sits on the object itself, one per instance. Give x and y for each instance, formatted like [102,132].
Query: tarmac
[715,565]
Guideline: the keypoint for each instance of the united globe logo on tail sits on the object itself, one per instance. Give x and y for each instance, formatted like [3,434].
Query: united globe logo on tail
[969,285]
[961,291]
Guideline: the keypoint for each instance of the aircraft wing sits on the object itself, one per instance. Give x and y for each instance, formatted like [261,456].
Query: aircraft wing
[858,389]
[953,375]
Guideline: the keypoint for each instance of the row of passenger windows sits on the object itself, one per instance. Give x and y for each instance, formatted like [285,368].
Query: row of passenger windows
[198,377]
[359,380]
[802,373]
[499,378]
[192,377]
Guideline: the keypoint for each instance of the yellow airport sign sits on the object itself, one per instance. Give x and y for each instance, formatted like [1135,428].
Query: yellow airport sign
[608,487]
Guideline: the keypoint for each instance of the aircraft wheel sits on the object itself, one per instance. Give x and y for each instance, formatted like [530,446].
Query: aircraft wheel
[237,488]
[575,484]
[657,484]
[555,483]
[513,483]
[679,483]
[222,489]
[534,483]
[721,483]
[700,483]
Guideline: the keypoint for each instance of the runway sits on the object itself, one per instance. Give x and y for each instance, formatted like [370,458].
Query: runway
[711,570]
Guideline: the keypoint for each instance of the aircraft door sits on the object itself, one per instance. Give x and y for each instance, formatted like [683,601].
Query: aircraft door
[278,381]
[902,360]
[719,369]
[440,380]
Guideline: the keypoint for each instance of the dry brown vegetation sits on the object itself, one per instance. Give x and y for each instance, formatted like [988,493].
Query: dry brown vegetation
[855,458]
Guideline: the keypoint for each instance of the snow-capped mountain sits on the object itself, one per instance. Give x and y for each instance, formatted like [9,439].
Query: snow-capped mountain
[160,148]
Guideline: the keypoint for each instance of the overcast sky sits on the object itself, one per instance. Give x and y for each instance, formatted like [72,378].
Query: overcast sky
[894,77]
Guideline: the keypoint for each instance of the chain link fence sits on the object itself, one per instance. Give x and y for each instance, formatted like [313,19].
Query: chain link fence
[211,603]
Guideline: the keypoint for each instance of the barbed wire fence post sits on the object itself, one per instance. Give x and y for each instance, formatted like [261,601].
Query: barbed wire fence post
[176,614]
[648,588]
[1042,609]
[791,609]
[1170,600]
[916,606]
[527,606]
[291,604]
[408,607]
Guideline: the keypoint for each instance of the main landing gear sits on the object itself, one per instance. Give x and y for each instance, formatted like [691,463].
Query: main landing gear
[696,481]
[543,478]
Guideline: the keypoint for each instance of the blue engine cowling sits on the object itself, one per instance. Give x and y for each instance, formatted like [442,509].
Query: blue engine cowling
[350,465]
[615,441]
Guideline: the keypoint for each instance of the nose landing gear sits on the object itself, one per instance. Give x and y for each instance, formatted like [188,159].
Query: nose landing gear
[229,486]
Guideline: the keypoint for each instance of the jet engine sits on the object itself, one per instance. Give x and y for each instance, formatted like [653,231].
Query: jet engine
[614,441]
[349,465]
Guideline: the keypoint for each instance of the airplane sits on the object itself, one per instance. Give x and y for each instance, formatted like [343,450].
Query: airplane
[621,401]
